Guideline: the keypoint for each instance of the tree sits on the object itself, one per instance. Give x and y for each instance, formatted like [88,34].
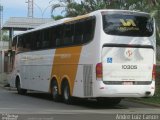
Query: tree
[73,8]
[5,36]
[61,4]
[58,17]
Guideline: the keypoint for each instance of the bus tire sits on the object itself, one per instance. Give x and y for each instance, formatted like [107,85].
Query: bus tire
[66,93]
[19,89]
[109,101]
[55,93]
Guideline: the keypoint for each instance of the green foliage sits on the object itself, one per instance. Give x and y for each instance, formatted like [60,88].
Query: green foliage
[58,17]
[73,8]
[5,36]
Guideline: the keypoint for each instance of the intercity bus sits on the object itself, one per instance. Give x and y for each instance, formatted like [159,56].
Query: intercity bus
[105,55]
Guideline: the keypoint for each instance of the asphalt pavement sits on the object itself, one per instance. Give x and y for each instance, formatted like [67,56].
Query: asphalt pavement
[39,106]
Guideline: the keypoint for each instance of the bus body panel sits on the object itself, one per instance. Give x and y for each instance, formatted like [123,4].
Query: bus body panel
[86,71]
[127,63]
[103,90]
[77,64]
[65,65]
[90,56]
[35,69]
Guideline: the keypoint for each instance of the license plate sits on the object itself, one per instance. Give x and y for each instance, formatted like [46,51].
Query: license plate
[127,83]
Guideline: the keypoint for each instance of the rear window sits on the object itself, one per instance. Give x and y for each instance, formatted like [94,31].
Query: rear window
[128,25]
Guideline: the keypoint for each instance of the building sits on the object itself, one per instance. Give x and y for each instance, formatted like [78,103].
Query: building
[22,24]
[12,25]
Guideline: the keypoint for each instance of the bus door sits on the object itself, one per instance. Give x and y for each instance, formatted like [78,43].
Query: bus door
[9,61]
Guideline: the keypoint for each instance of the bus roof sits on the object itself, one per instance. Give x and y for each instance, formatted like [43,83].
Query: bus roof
[118,10]
[64,20]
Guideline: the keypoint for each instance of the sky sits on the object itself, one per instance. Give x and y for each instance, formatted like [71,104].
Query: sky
[19,8]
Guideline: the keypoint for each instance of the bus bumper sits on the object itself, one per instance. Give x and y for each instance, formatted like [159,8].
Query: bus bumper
[103,90]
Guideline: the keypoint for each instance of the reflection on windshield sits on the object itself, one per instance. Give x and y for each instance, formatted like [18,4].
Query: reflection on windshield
[128,25]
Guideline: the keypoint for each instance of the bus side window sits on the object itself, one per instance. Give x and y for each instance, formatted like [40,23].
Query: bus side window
[33,41]
[68,34]
[20,44]
[14,43]
[47,39]
[52,37]
[44,39]
[89,30]
[38,43]
[26,42]
[59,35]
[78,38]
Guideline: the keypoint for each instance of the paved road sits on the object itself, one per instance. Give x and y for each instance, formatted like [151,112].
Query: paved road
[36,104]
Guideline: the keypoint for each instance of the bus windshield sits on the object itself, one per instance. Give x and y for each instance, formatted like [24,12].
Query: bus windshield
[128,25]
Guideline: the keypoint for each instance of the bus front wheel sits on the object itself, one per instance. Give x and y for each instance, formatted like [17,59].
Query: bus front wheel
[19,89]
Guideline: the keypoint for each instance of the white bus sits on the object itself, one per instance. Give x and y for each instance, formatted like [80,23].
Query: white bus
[106,55]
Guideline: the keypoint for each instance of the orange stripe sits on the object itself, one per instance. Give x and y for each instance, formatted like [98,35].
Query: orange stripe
[76,18]
[65,63]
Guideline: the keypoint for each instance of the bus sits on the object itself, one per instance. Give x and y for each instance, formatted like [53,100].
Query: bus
[105,55]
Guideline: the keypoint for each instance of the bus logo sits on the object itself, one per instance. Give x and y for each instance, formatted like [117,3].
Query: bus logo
[128,22]
[129,54]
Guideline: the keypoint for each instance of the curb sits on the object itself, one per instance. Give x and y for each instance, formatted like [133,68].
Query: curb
[143,102]
[7,88]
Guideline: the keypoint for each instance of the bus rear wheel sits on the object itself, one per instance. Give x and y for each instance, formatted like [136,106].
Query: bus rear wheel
[55,93]
[19,89]
[66,93]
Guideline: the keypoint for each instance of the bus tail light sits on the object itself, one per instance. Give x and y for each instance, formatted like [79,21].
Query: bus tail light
[99,71]
[154,72]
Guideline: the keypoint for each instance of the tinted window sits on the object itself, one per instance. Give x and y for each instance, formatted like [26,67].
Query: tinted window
[14,43]
[128,25]
[38,41]
[79,27]
[20,41]
[52,37]
[45,39]
[72,33]
[34,40]
[88,31]
[59,35]
[84,30]
[68,34]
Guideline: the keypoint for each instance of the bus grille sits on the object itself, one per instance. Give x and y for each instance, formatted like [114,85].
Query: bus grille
[87,77]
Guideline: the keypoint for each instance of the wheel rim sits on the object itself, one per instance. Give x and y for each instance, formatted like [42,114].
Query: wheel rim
[55,91]
[66,93]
